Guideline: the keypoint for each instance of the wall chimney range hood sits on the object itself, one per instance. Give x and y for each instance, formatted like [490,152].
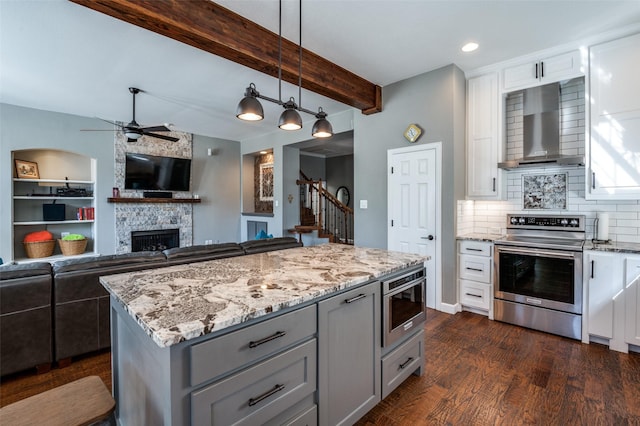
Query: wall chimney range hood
[541,131]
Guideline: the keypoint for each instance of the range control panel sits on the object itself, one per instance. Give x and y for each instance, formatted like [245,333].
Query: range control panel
[576,222]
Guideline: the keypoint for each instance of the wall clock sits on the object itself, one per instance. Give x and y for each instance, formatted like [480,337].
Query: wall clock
[412,133]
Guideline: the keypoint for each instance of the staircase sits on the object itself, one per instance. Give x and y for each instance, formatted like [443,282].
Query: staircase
[321,211]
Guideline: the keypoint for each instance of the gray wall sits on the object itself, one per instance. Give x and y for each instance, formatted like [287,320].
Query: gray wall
[340,173]
[436,102]
[216,179]
[26,128]
[313,167]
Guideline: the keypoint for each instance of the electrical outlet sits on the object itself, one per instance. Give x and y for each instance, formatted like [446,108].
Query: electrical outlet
[208,241]
[64,234]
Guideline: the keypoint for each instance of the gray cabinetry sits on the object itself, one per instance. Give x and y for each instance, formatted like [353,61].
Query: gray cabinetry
[401,362]
[250,344]
[349,355]
[264,391]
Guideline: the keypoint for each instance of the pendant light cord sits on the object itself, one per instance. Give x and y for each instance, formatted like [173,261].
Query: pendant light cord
[300,55]
[280,52]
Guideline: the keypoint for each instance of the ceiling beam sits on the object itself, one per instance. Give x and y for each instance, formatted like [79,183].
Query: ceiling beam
[208,26]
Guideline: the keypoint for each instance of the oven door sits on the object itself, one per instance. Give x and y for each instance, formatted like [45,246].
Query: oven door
[403,310]
[539,277]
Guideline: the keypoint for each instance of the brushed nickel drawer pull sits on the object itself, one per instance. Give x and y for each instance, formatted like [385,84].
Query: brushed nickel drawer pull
[267,339]
[407,362]
[267,394]
[353,299]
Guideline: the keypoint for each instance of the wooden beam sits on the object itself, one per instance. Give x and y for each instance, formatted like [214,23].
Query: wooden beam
[208,26]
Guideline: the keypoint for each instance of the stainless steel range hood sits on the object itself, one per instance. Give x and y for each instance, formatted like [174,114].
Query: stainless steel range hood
[541,131]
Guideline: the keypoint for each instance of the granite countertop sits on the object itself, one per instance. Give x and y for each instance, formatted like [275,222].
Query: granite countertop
[480,237]
[613,246]
[179,303]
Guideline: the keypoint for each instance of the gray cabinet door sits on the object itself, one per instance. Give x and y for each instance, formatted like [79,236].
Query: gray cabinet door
[349,355]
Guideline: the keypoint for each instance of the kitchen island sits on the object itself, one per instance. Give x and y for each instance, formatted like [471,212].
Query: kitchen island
[237,339]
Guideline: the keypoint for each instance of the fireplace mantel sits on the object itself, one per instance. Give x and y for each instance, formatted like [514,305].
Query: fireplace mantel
[154,200]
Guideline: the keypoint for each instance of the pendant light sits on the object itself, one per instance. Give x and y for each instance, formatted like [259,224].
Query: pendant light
[290,119]
[321,128]
[250,109]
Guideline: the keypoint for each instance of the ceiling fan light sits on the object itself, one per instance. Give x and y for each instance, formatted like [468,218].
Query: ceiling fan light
[132,134]
[290,119]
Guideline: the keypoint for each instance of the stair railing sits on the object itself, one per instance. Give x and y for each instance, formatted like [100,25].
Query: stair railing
[321,210]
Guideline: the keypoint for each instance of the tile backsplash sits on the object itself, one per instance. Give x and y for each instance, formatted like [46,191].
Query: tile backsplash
[489,217]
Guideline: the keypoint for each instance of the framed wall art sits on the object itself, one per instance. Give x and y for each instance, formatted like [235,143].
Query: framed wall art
[26,170]
[266,182]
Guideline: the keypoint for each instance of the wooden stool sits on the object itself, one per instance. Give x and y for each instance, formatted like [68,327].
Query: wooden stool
[82,402]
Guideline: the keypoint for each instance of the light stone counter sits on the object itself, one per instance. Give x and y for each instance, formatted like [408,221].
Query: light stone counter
[632,248]
[179,303]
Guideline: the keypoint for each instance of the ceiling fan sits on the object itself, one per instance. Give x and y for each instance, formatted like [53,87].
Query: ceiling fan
[133,131]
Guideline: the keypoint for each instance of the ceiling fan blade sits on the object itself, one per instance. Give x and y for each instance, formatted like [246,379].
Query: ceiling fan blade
[155,129]
[166,138]
[110,122]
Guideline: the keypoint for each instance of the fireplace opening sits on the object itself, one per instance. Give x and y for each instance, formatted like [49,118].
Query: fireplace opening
[156,240]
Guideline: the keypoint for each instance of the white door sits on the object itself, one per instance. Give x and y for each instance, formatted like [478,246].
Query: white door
[413,208]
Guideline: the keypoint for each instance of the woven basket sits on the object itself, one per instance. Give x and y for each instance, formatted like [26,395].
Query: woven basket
[71,247]
[40,248]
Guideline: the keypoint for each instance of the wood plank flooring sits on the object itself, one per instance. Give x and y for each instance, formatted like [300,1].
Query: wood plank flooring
[478,372]
[482,372]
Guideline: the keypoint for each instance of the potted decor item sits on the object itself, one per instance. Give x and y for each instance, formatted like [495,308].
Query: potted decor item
[39,244]
[72,244]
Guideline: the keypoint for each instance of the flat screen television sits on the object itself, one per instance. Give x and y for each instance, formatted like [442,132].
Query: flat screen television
[150,172]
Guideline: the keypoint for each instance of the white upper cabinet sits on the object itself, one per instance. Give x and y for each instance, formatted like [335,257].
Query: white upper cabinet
[483,175]
[613,149]
[542,71]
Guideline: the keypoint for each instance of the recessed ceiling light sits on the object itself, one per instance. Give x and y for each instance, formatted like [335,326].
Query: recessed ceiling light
[470,47]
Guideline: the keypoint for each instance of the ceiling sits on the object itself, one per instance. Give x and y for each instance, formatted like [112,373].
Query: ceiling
[59,56]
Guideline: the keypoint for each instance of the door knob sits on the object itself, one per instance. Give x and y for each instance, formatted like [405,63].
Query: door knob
[430,238]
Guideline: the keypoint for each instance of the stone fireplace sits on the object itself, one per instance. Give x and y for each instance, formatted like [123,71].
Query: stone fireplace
[155,240]
[146,217]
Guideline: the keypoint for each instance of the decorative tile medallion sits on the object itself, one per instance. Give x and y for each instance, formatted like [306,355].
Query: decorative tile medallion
[544,192]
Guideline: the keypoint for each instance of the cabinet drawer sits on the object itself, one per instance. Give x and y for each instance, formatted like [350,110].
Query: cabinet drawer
[258,393]
[402,362]
[475,268]
[307,418]
[475,294]
[229,352]
[476,248]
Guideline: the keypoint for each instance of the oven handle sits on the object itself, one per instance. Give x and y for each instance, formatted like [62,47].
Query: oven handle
[537,252]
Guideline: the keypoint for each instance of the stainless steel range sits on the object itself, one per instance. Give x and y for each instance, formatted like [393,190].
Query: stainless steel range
[538,273]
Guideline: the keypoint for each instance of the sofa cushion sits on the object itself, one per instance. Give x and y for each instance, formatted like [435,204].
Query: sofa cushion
[12,271]
[109,261]
[203,250]
[269,244]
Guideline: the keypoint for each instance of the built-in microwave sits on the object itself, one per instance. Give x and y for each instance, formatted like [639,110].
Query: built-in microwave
[403,305]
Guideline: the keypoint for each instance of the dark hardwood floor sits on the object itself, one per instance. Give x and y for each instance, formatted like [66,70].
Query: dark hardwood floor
[478,372]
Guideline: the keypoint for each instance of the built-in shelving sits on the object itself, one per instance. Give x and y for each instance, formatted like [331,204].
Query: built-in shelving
[51,222]
[61,170]
[154,200]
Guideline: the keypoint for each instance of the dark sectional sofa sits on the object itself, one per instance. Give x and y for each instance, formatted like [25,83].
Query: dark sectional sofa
[52,312]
